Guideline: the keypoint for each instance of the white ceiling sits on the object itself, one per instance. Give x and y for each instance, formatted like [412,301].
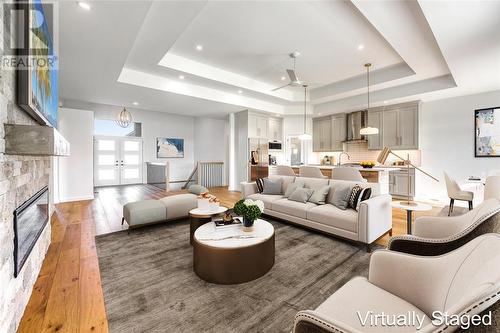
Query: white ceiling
[122,52]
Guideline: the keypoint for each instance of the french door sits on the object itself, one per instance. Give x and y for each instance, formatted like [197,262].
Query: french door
[117,160]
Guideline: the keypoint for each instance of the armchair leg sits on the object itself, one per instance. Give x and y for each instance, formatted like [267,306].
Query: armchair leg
[123,220]
[450,210]
[368,248]
[390,232]
[470,205]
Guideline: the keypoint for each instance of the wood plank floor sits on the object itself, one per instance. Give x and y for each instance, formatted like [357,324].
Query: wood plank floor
[67,296]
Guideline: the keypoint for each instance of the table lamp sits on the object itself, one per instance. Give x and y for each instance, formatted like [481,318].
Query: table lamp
[382,157]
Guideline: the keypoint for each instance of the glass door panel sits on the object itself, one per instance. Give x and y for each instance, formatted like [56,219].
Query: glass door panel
[131,161]
[106,157]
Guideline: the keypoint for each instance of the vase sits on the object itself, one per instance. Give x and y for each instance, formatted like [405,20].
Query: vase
[247,224]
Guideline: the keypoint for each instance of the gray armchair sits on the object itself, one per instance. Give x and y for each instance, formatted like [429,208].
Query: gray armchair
[464,281]
[435,235]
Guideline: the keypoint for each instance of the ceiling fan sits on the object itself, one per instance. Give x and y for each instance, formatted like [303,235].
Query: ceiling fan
[294,79]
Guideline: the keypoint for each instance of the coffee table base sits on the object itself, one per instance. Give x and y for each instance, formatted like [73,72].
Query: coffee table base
[233,265]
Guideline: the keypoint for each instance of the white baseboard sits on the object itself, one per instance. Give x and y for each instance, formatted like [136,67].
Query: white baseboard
[77,198]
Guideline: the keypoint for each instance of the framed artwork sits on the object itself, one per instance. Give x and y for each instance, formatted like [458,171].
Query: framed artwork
[37,85]
[487,132]
[169,148]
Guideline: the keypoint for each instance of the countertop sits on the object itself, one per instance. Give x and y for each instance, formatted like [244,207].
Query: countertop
[374,169]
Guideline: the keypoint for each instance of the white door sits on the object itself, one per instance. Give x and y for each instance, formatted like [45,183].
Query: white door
[117,160]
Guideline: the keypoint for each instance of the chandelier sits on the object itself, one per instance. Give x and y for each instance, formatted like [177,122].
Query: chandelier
[124,118]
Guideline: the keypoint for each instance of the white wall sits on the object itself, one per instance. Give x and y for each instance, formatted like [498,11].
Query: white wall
[160,124]
[447,142]
[211,141]
[75,172]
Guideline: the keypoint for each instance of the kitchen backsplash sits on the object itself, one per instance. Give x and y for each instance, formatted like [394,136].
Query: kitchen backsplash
[358,151]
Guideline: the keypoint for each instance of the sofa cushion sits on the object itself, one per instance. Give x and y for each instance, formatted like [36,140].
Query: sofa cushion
[345,306]
[285,181]
[319,195]
[267,199]
[294,208]
[301,194]
[179,205]
[292,187]
[145,212]
[340,196]
[272,186]
[313,183]
[335,217]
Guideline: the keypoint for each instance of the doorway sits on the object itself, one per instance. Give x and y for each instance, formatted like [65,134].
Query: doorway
[117,160]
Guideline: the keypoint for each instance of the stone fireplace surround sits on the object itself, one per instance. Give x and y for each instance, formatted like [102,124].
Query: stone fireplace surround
[20,178]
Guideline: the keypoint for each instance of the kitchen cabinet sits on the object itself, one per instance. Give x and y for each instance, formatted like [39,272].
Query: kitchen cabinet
[322,134]
[375,119]
[400,127]
[275,129]
[398,183]
[257,126]
[338,128]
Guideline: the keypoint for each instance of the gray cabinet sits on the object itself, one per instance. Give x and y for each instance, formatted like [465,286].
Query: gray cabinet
[322,134]
[338,127]
[275,129]
[398,183]
[399,127]
[375,119]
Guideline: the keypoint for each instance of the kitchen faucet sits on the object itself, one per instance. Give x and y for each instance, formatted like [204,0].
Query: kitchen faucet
[340,157]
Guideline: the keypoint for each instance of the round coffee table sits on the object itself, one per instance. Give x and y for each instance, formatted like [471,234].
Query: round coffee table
[415,206]
[199,217]
[230,255]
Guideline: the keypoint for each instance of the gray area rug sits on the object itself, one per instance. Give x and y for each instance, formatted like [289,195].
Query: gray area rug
[149,284]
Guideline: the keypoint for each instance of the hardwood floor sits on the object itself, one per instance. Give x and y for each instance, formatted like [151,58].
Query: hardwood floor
[67,296]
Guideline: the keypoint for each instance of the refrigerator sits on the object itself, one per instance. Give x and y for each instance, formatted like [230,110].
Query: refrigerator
[258,159]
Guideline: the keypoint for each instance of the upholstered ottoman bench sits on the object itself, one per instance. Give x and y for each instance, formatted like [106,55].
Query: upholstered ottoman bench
[144,212]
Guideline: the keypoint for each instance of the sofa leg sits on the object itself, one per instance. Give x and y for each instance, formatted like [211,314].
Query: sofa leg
[123,220]
[470,205]
[368,248]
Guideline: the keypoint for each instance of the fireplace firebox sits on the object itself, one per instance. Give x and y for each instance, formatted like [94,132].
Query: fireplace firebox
[30,219]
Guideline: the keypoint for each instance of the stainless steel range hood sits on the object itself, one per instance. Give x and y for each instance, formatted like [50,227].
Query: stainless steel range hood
[355,122]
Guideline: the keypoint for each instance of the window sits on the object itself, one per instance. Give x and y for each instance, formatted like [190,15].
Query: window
[111,128]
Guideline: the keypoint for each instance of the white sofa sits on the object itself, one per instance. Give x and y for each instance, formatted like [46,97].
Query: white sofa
[373,220]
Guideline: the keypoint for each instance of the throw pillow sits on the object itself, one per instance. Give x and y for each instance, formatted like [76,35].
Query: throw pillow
[319,195]
[364,195]
[301,194]
[292,187]
[260,184]
[340,197]
[197,189]
[353,198]
[272,186]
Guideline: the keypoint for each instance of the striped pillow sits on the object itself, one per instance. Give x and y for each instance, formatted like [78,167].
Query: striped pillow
[260,184]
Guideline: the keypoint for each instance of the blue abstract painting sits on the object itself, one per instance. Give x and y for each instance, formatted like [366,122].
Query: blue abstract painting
[169,148]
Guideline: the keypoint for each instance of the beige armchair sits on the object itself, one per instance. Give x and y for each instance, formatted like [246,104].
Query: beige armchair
[455,193]
[284,170]
[492,187]
[435,235]
[347,173]
[465,281]
[310,172]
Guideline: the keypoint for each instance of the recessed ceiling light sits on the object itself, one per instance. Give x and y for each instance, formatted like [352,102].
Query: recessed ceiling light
[83,5]
[181,77]
[135,103]
[199,47]
[240,91]
[385,102]
[361,46]
[319,114]
[283,78]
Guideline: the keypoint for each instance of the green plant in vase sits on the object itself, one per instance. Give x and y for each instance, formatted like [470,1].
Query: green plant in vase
[250,210]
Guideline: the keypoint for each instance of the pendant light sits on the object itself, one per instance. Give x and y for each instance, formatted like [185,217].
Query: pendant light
[304,136]
[124,118]
[368,130]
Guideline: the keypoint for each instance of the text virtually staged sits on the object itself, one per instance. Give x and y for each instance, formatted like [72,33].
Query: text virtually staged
[249,166]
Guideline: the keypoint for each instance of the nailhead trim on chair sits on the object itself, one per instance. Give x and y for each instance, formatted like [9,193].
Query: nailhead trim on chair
[297,317]
[452,238]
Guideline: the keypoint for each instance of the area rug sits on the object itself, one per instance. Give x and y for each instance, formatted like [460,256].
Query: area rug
[149,284]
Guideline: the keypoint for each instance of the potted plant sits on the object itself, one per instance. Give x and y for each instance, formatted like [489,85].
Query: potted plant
[250,210]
